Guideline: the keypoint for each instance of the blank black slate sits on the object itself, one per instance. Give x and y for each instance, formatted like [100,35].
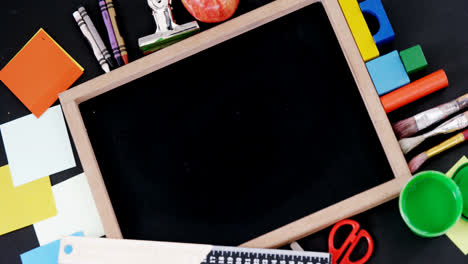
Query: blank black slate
[237,140]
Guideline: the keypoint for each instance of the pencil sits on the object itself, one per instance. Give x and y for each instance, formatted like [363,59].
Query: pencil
[118,36]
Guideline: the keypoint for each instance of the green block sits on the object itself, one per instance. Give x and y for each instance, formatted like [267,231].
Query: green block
[413,59]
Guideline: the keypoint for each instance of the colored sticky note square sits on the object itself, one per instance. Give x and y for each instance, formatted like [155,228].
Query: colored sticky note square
[47,254]
[413,59]
[37,147]
[39,72]
[25,205]
[459,232]
[387,72]
[76,210]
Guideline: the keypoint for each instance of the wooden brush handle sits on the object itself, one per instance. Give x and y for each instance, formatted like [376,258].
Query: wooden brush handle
[449,143]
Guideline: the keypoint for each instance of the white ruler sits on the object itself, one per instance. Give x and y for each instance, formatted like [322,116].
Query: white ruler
[80,250]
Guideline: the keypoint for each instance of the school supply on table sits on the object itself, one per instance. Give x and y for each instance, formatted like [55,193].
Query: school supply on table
[223,32]
[358,26]
[460,176]
[78,250]
[341,255]
[413,58]
[76,210]
[96,36]
[385,34]
[46,254]
[430,204]
[118,36]
[167,31]
[417,161]
[458,234]
[110,32]
[295,246]
[39,72]
[24,205]
[387,72]
[87,34]
[414,91]
[414,124]
[37,147]
[456,123]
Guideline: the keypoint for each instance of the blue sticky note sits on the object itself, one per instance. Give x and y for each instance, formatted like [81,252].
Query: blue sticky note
[47,254]
[387,72]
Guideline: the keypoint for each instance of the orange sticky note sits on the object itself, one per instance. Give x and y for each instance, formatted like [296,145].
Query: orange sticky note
[39,72]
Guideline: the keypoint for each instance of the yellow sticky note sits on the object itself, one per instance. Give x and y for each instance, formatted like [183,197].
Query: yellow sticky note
[24,205]
[459,232]
[358,26]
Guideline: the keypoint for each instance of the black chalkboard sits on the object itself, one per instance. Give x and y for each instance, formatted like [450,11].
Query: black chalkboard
[437,25]
[237,140]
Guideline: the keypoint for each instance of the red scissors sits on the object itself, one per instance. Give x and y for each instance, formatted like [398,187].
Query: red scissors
[352,240]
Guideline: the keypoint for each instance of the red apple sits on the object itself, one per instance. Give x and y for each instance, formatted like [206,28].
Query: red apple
[211,11]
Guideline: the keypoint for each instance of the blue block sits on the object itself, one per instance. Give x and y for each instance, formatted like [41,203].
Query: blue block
[387,72]
[47,254]
[375,8]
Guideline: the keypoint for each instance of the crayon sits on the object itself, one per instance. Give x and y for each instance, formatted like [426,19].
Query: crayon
[110,32]
[96,36]
[91,41]
[120,41]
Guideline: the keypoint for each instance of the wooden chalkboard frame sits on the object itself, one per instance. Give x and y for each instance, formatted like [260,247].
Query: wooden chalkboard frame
[305,226]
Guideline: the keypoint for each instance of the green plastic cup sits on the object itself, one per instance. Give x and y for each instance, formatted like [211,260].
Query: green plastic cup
[430,203]
[460,176]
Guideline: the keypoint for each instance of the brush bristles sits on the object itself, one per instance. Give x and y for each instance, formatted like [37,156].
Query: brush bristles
[417,161]
[405,128]
[407,144]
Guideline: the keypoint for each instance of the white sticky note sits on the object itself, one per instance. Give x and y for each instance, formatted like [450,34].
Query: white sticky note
[37,147]
[76,210]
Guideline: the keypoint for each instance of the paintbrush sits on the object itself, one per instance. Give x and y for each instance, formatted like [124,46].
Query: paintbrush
[456,123]
[410,126]
[417,161]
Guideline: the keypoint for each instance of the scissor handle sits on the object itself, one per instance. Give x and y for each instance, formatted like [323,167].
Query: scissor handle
[370,249]
[337,252]
[352,240]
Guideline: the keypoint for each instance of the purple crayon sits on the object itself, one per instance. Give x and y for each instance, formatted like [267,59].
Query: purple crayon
[110,32]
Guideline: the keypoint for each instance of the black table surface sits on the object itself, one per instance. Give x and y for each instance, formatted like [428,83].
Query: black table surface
[286,90]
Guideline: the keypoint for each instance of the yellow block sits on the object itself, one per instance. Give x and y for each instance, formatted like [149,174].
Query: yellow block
[359,28]
[459,232]
[24,205]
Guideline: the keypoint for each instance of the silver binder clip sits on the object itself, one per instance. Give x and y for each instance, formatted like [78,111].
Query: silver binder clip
[167,31]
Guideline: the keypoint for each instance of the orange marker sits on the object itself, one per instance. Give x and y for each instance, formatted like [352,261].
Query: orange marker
[414,91]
